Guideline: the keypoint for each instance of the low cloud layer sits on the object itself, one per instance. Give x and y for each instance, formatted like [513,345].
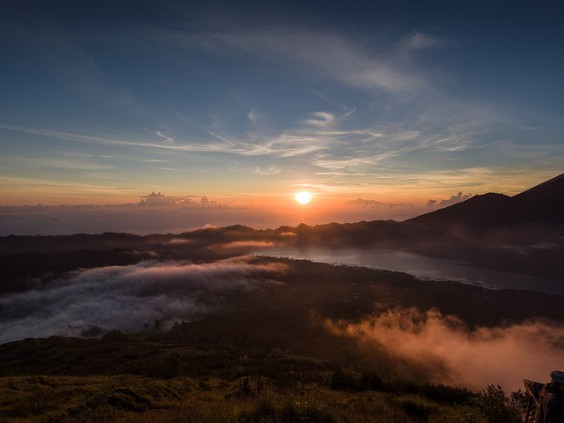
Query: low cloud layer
[127,297]
[245,245]
[446,351]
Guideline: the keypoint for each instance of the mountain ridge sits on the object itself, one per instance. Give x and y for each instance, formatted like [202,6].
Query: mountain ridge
[542,204]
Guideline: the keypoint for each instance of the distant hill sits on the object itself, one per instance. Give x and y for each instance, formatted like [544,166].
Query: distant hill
[542,204]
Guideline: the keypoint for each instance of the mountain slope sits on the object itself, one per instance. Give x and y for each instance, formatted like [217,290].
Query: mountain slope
[481,210]
[542,204]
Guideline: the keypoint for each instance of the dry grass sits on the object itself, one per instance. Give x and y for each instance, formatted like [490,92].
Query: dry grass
[133,399]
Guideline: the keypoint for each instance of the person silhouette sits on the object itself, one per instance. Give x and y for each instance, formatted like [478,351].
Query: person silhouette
[550,407]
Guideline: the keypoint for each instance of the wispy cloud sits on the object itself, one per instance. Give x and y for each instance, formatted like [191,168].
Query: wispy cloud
[71,163]
[285,145]
[325,55]
[17,183]
[271,170]
[320,119]
[165,138]
[252,116]
[419,41]
[358,151]
[115,141]
[348,164]
[290,144]
[171,169]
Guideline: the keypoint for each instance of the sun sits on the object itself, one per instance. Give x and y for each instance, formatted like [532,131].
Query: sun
[303,197]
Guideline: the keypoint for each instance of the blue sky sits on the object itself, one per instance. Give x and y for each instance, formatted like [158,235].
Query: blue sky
[105,101]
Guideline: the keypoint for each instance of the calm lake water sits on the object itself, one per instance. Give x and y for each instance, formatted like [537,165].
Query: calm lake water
[421,266]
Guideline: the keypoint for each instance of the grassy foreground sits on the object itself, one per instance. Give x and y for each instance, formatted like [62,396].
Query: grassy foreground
[249,399]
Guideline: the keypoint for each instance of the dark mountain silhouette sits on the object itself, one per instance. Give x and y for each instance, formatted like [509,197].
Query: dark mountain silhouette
[542,204]
[484,210]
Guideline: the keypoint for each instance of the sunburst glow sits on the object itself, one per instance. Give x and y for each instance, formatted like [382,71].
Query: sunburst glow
[303,197]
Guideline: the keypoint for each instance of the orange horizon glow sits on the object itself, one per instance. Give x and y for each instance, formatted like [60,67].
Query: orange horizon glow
[30,192]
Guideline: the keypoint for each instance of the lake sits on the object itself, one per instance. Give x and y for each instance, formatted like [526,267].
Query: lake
[422,267]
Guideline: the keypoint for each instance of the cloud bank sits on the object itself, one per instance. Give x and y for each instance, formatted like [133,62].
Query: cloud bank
[444,349]
[127,297]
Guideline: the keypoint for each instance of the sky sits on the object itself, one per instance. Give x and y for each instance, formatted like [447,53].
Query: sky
[103,102]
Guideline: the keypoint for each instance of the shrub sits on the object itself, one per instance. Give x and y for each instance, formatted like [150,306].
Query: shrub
[263,411]
[95,409]
[247,388]
[370,381]
[446,394]
[309,412]
[127,399]
[317,414]
[341,381]
[495,406]
[416,410]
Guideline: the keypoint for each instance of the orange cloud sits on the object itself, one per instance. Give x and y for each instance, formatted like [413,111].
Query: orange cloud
[453,354]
